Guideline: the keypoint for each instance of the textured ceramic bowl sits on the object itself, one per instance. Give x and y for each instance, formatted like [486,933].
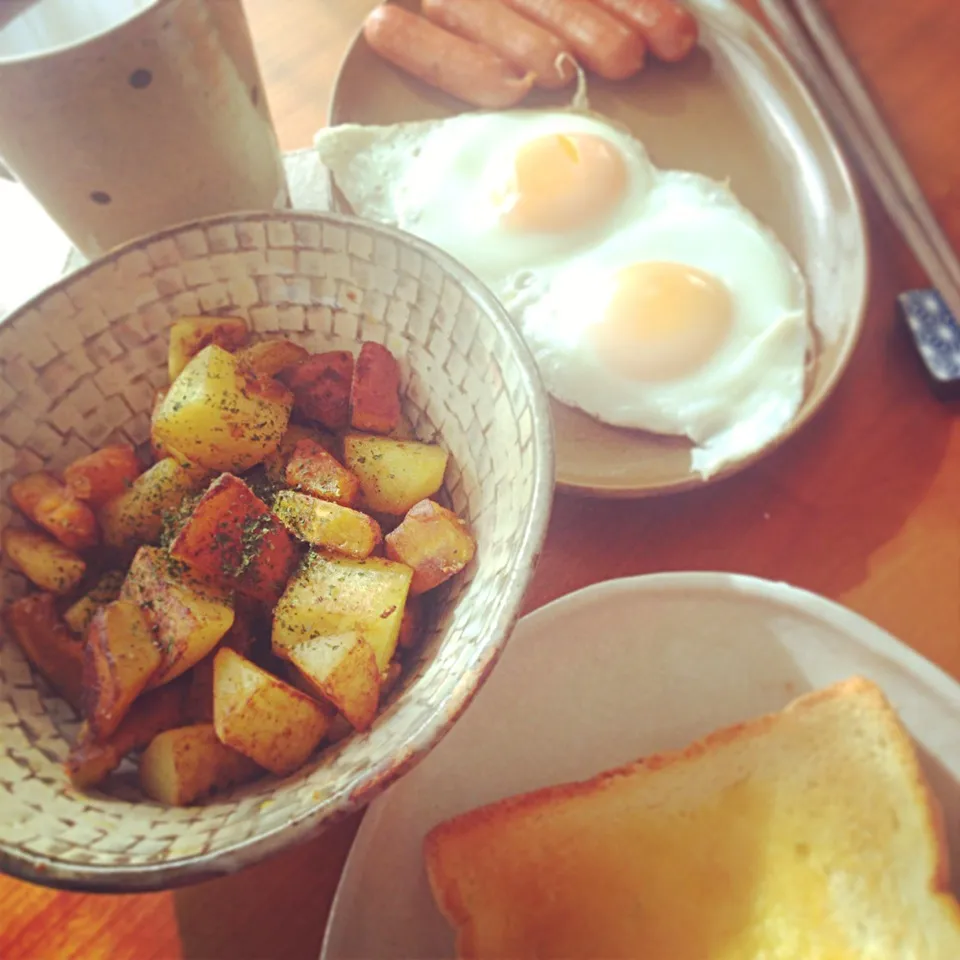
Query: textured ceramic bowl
[78,367]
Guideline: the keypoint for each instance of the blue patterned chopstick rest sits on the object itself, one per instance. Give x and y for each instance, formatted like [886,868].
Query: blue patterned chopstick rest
[936,335]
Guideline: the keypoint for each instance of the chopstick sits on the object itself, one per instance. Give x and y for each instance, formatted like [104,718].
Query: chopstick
[820,58]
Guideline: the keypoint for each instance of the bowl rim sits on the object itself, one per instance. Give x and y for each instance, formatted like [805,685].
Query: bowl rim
[365,786]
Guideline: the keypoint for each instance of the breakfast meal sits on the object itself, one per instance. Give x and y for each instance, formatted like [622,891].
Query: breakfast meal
[651,299]
[807,833]
[491,54]
[251,593]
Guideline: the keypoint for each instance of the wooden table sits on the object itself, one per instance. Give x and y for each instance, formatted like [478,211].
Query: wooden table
[863,506]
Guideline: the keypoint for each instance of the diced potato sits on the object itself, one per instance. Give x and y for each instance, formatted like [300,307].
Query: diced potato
[136,516]
[434,542]
[332,595]
[394,474]
[120,656]
[239,637]
[48,564]
[78,616]
[189,335]
[103,474]
[92,760]
[270,357]
[48,644]
[411,626]
[326,524]
[344,670]
[275,465]
[231,537]
[220,416]
[321,387]
[188,616]
[313,470]
[391,678]
[262,717]
[375,390]
[157,449]
[53,506]
[185,765]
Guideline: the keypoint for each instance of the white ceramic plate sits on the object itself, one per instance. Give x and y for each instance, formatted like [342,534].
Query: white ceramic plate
[604,676]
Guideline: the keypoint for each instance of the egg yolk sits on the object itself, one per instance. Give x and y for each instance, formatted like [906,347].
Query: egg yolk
[562,182]
[663,322]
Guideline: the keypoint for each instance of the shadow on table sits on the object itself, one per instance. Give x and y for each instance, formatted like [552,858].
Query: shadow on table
[275,909]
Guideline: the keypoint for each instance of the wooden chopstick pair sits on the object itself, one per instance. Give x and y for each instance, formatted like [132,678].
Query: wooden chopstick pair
[813,45]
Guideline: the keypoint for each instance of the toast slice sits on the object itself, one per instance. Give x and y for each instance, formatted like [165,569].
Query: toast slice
[808,834]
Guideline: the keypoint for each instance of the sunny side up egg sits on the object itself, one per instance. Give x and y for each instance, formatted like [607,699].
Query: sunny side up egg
[650,299]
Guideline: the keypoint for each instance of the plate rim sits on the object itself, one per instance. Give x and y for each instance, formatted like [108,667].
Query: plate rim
[856,625]
[746,26]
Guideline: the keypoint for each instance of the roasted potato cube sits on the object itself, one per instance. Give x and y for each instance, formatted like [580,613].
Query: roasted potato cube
[221,416]
[103,474]
[78,616]
[275,466]
[411,626]
[48,644]
[136,516]
[434,542]
[330,595]
[239,637]
[344,670]
[326,524]
[188,616]
[321,387]
[91,760]
[52,505]
[119,658]
[189,335]
[48,564]
[262,717]
[394,474]
[375,390]
[184,765]
[270,357]
[231,537]
[157,449]
[390,679]
[312,469]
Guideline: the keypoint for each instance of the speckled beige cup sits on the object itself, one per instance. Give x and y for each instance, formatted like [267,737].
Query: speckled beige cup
[145,114]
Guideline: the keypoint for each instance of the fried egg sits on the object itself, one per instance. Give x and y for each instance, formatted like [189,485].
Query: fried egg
[651,299]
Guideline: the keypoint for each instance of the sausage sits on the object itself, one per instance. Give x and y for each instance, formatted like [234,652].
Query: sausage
[599,40]
[670,30]
[466,70]
[518,40]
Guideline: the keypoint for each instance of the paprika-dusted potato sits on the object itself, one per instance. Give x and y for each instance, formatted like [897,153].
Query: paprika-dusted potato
[434,542]
[375,390]
[343,669]
[232,538]
[48,644]
[321,387]
[189,335]
[91,760]
[53,506]
[275,466]
[327,524]
[270,357]
[188,616]
[220,416]
[314,470]
[103,474]
[331,595]
[78,615]
[262,717]
[394,474]
[42,560]
[184,765]
[120,656]
[411,626]
[136,516]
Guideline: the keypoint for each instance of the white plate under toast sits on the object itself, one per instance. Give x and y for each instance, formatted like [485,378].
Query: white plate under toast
[604,676]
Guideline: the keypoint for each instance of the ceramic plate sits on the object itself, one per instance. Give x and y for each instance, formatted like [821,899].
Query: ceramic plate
[604,676]
[734,110]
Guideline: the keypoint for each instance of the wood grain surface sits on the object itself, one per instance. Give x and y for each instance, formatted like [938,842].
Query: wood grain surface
[862,506]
